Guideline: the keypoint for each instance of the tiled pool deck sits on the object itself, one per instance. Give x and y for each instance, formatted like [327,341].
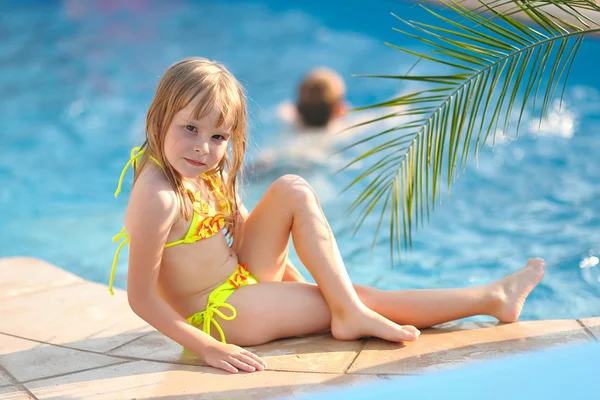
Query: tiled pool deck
[64,337]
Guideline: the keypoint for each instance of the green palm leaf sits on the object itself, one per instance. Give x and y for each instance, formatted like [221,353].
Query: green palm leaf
[496,62]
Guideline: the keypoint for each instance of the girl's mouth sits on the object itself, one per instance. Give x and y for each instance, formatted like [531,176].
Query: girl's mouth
[194,162]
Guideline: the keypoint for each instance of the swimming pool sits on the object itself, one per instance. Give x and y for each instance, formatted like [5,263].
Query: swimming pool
[76,79]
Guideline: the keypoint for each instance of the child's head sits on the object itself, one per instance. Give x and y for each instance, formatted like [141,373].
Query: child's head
[197,123]
[321,97]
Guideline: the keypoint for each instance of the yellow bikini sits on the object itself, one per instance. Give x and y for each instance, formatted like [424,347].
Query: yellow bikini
[205,223]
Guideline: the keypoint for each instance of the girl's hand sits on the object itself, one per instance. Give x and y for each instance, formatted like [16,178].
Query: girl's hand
[232,358]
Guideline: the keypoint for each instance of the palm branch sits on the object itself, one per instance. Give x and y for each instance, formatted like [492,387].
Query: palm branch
[496,62]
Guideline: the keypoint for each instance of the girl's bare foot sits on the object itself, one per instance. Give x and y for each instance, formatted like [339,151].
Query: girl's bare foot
[512,290]
[367,323]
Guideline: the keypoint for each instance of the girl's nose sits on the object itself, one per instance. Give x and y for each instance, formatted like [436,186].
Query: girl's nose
[201,148]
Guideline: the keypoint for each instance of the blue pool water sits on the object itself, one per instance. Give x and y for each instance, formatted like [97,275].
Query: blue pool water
[76,79]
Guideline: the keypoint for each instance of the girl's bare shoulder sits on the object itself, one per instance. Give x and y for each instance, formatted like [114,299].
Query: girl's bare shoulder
[152,199]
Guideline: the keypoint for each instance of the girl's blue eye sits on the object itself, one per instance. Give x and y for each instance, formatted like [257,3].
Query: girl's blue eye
[219,137]
[191,128]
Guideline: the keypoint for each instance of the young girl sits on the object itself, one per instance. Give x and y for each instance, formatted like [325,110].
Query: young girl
[212,277]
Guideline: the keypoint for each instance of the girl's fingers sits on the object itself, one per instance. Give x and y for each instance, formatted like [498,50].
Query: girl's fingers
[240,364]
[250,361]
[410,328]
[224,365]
[255,357]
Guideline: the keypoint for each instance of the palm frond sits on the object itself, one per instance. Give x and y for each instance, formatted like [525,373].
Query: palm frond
[492,61]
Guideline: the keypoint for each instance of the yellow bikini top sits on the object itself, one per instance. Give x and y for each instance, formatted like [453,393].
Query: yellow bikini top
[205,223]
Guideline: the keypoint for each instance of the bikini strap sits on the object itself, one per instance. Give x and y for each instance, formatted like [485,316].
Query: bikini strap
[125,237]
[207,317]
[135,154]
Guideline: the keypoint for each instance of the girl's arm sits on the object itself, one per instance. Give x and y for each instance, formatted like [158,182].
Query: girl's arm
[151,213]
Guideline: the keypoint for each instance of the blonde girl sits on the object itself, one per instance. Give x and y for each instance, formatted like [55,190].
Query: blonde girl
[212,277]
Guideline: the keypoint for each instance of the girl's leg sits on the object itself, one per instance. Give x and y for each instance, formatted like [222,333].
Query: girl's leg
[290,205]
[275,310]
[502,299]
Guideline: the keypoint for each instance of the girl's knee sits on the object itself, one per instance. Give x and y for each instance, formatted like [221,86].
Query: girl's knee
[290,181]
[293,188]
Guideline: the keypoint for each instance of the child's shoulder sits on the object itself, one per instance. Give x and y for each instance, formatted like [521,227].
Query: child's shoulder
[153,194]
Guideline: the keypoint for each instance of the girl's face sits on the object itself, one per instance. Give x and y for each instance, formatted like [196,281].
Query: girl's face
[193,147]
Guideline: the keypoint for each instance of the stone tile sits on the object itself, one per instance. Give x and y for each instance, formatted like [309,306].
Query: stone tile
[5,380]
[459,343]
[593,324]
[144,379]
[83,315]
[157,347]
[27,360]
[23,275]
[316,353]
[13,393]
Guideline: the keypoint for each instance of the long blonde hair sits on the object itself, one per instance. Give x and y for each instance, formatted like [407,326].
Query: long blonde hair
[183,82]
